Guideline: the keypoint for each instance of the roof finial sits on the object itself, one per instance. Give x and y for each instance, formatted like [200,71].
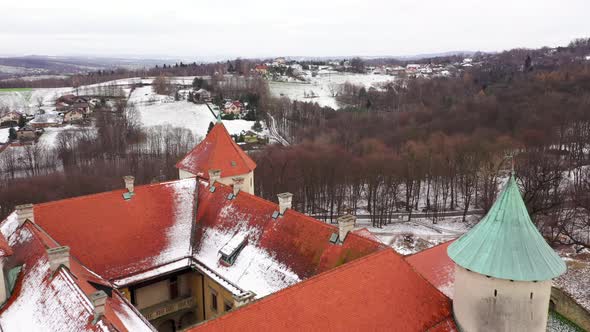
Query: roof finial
[219,117]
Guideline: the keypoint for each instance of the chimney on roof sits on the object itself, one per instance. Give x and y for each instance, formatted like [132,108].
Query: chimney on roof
[285,202]
[99,300]
[238,184]
[129,182]
[345,225]
[58,256]
[214,175]
[24,212]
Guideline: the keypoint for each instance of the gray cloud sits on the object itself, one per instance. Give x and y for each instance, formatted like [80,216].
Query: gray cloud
[305,27]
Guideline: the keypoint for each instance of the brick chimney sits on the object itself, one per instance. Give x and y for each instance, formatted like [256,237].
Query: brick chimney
[129,183]
[58,256]
[345,225]
[24,212]
[285,202]
[214,175]
[238,184]
[99,300]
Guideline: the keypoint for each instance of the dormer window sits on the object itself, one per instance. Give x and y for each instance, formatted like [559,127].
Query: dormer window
[230,251]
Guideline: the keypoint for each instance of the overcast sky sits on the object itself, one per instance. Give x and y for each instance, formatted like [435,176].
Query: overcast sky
[253,28]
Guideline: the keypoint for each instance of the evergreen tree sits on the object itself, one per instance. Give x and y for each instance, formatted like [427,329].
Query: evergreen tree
[528,64]
[211,125]
[257,127]
[12,133]
[21,121]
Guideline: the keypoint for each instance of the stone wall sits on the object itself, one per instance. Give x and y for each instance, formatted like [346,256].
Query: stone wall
[563,304]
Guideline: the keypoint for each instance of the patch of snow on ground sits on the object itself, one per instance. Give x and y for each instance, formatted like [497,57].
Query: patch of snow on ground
[322,86]
[409,237]
[4,133]
[557,324]
[576,280]
[158,110]
[28,101]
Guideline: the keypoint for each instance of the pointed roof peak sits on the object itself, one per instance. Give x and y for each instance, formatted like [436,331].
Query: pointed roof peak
[217,151]
[506,244]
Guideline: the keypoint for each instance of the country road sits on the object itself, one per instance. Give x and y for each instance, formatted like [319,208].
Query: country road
[401,215]
[274,133]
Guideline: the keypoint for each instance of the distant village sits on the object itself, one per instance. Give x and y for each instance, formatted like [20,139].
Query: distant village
[281,69]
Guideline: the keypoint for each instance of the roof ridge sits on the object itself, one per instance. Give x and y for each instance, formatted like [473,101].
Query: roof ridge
[435,246]
[111,192]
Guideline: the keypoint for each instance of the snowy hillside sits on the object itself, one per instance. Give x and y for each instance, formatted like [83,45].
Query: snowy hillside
[159,110]
[324,86]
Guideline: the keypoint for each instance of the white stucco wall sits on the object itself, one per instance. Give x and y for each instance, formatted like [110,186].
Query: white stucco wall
[153,294]
[483,303]
[182,174]
[3,291]
[248,180]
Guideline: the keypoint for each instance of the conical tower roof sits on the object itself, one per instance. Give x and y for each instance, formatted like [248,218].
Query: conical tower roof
[506,244]
[217,151]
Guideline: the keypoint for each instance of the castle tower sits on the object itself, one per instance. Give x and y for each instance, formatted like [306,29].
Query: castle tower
[218,151]
[503,270]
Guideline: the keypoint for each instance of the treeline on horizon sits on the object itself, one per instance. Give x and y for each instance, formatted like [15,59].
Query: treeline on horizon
[560,55]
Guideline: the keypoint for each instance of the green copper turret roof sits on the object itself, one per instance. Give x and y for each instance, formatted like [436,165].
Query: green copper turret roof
[506,244]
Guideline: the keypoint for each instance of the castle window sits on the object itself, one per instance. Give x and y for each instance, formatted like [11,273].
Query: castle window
[531,295]
[173,287]
[213,300]
[227,307]
[495,292]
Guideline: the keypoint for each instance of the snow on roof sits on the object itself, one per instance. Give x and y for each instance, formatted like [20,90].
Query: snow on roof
[119,238]
[379,292]
[232,246]
[279,252]
[255,269]
[9,225]
[435,266]
[152,273]
[43,300]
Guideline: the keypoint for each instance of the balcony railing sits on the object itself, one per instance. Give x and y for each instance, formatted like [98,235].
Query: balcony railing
[168,307]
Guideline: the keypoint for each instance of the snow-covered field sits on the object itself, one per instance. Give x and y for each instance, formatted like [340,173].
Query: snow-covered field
[28,101]
[160,110]
[4,135]
[419,233]
[324,85]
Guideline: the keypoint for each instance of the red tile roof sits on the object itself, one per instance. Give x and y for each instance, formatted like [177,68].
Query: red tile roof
[297,242]
[58,301]
[377,292]
[120,238]
[217,151]
[435,265]
[117,237]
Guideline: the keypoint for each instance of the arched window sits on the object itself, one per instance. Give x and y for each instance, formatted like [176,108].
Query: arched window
[495,292]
